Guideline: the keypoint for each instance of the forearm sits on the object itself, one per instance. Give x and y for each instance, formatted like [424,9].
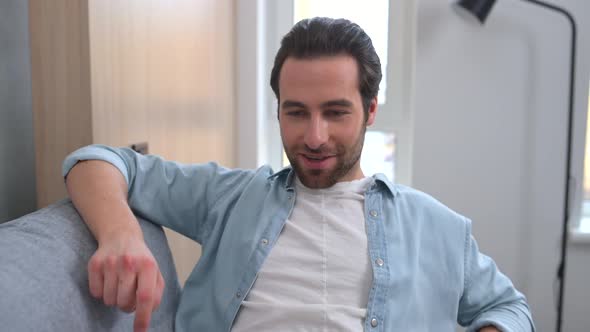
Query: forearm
[99,193]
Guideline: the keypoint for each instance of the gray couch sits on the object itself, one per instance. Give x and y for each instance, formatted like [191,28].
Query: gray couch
[44,281]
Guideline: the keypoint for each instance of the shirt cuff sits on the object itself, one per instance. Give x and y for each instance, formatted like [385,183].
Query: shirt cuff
[95,152]
[505,321]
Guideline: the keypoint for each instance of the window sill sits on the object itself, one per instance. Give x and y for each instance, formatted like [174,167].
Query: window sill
[578,237]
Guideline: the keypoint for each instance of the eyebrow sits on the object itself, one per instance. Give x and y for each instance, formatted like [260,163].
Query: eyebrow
[329,103]
[292,104]
[337,102]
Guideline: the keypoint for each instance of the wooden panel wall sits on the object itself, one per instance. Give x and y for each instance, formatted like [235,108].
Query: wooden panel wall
[162,72]
[60,75]
[154,71]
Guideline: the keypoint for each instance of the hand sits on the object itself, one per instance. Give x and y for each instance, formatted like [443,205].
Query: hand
[489,329]
[123,273]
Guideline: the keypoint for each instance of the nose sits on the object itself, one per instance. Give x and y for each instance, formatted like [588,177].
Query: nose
[316,133]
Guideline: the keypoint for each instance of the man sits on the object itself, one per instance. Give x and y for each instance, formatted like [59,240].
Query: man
[319,247]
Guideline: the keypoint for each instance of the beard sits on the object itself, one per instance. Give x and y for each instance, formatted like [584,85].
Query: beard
[347,158]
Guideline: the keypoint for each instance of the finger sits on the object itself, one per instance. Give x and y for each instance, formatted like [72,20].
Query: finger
[146,284]
[127,284]
[160,286]
[110,281]
[95,277]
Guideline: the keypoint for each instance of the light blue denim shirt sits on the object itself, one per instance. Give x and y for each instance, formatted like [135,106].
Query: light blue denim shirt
[430,275]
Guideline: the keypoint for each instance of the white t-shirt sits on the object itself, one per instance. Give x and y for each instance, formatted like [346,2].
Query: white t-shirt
[318,274]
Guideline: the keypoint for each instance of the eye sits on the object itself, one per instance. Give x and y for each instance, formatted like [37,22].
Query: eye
[296,113]
[336,113]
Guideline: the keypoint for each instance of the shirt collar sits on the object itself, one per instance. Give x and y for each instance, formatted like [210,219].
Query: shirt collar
[290,174]
[380,177]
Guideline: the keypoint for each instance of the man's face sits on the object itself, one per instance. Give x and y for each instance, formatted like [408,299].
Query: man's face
[321,119]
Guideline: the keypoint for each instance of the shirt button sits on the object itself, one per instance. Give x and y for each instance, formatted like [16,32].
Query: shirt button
[290,197]
[373,213]
[379,261]
[264,241]
[374,322]
[238,294]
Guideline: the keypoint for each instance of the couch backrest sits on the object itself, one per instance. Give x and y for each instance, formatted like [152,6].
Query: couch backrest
[44,280]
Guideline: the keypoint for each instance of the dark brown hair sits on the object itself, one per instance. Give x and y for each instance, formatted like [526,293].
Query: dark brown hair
[321,36]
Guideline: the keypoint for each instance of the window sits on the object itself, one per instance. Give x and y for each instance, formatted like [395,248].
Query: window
[585,216]
[378,154]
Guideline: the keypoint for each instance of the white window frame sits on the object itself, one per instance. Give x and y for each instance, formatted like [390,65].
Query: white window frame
[260,24]
[579,129]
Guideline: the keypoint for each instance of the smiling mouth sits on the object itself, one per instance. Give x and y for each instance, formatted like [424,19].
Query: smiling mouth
[317,162]
[317,157]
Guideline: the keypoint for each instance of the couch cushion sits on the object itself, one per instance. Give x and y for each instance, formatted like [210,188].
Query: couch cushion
[44,281]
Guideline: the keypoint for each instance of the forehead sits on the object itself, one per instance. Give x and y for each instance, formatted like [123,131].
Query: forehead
[321,77]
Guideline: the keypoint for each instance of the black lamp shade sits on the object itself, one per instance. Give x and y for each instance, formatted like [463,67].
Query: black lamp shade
[478,8]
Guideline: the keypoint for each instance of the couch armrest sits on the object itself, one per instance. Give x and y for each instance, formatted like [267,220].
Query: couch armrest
[44,280]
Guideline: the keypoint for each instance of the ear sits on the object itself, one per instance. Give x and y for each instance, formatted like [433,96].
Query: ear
[372,111]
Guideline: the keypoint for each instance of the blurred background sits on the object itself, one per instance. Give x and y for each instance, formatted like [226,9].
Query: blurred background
[473,114]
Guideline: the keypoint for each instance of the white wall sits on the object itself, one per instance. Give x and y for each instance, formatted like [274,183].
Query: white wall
[17,166]
[577,295]
[490,131]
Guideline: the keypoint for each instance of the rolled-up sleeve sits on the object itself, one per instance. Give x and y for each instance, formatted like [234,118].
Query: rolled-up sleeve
[97,152]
